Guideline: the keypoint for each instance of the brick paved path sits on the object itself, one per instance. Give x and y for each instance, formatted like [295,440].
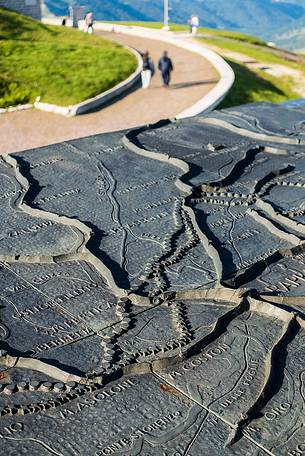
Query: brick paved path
[192,79]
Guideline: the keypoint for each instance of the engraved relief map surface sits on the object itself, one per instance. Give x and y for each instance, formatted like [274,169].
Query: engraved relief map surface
[152,290]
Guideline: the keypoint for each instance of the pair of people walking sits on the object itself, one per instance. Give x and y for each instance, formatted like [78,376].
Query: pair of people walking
[165,66]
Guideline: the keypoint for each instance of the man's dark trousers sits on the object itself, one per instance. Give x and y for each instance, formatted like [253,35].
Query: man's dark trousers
[166,77]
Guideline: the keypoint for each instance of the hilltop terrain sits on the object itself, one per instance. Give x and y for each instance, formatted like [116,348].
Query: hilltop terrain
[271,20]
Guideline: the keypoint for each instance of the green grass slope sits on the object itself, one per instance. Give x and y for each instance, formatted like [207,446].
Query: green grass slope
[250,85]
[253,85]
[63,66]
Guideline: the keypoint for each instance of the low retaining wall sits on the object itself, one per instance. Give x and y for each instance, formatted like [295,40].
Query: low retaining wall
[16,108]
[227,76]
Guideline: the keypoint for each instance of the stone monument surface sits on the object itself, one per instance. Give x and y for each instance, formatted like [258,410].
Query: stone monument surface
[152,290]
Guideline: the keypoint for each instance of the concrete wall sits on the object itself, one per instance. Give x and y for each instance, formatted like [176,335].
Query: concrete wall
[28,7]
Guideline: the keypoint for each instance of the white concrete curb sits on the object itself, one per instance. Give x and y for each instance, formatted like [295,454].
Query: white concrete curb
[16,108]
[227,76]
[48,107]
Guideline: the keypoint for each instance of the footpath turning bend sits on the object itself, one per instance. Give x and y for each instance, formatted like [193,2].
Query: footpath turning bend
[193,78]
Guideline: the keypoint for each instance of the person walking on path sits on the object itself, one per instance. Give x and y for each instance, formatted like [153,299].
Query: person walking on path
[166,67]
[147,70]
[194,24]
[89,22]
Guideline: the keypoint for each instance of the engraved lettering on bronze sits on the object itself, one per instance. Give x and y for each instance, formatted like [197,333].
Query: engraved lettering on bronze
[152,290]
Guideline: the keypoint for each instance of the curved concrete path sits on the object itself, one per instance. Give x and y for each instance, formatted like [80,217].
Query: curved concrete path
[193,78]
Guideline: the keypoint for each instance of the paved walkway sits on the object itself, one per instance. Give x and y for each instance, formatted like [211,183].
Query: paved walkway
[192,79]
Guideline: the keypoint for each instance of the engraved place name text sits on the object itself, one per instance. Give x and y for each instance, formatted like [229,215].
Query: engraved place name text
[106,150]
[64,340]
[245,382]
[84,316]
[276,412]
[248,234]
[31,229]
[146,185]
[201,359]
[159,425]
[98,396]
[58,196]
[58,300]
[140,222]
[45,163]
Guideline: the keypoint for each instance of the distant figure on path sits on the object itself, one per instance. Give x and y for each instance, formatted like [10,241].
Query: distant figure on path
[166,67]
[148,70]
[64,22]
[89,22]
[194,24]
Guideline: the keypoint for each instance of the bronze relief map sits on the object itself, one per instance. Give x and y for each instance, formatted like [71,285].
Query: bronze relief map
[152,290]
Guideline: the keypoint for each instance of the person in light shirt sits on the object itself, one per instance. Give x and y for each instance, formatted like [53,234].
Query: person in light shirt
[148,70]
[89,22]
[194,24]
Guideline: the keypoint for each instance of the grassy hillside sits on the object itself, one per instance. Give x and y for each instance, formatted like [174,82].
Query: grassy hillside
[60,65]
[251,85]
[256,84]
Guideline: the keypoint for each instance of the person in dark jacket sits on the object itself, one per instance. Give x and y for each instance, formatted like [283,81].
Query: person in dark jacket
[166,67]
[147,70]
